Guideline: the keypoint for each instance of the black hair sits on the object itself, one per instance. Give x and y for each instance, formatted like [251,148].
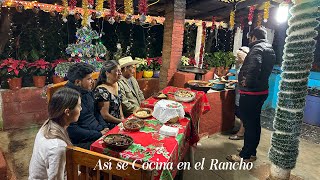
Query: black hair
[79,71]
[108,66]
[259,33]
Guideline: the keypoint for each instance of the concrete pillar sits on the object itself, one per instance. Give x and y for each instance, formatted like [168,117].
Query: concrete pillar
[172,40]
[198,44]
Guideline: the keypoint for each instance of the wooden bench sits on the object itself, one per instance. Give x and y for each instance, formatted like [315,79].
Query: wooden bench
[86,161]
[55,87]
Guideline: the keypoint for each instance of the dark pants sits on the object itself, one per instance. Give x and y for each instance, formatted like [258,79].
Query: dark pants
[85,145]
[250,110]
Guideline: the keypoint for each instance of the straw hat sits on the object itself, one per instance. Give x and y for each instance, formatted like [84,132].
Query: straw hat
[127,61]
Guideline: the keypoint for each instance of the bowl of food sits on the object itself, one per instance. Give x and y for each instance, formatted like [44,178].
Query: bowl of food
[160,96]
[133,124]
[118,142]
[199,85]
[143,113]
[184,95]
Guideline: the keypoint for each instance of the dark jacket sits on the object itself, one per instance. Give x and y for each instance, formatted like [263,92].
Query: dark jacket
[90,123]
[257,67]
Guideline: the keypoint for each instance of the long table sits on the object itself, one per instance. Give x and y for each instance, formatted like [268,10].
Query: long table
[152,147]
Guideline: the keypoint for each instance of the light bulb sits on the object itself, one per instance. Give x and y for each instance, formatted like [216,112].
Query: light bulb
[282,13]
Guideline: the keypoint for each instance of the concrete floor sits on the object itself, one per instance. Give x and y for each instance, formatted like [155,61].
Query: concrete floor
[18,146]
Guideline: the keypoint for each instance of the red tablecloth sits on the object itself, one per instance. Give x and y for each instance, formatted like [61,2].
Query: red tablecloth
[150,146]
[195,108]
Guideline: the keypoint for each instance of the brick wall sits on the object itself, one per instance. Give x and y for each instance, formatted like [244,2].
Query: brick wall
[23,108]
[172,40]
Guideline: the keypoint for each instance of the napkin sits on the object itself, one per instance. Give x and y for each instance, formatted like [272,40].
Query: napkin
[169,131]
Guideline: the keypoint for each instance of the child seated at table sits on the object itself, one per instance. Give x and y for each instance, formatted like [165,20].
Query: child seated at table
[48,159]
[108,95]
[91,125]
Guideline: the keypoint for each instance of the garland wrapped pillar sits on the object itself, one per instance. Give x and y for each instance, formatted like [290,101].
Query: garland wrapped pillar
[297,60]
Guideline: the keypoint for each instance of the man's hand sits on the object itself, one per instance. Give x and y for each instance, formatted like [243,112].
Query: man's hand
[105,130]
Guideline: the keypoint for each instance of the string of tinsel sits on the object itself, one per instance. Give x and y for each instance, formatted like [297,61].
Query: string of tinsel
[72,4]
[204,26]
[266,11]
[65,9]
[232,16]
[298,51]
[85,15]
[259,20]
[250,15]
[128,7]
[99,5]
[143,7]
[112,5]
[91,2]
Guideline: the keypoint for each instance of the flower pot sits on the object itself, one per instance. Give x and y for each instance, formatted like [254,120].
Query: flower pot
[57,79]
[156,74]
[139,75]
[39,81]
[15,83]
[147,74]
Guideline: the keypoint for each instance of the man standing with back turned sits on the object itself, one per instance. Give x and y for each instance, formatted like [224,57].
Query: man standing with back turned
[253,88]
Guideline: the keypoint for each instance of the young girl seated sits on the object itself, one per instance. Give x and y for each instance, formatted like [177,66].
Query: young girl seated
[48,159]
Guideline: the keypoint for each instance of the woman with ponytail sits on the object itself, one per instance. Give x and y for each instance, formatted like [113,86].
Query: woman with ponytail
[48,159]
[108,95]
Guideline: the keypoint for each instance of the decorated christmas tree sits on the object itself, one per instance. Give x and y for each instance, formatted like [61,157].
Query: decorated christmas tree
[297,60]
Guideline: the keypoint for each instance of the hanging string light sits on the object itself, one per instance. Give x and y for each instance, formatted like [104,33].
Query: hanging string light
[266,11]
[10,34]
[232,16]
[85,16]
[148,42]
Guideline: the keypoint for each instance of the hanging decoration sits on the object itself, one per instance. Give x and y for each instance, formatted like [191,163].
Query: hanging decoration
[259,19]
[213,23]
[241,23]
[19,7]
[65,10]
[99,8]
[250,15]
[143,8]
[232,16]
[90,3]
[204,26]
[266,11]
[112,5]
[85,16]
[72,4]
[128,8]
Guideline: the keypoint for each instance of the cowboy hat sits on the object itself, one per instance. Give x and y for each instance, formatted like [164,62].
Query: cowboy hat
[127,61]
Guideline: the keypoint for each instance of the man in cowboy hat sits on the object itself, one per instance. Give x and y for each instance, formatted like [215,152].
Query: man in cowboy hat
[132,96]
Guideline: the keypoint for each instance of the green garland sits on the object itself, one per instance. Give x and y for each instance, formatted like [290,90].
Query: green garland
[298,57]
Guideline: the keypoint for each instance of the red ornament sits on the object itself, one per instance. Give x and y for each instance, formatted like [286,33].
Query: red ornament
[73,3]
[213,23]
[143,7]
[250,15]
[112,4]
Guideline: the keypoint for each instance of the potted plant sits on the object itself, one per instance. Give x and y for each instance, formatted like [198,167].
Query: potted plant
[229,60]
[218,61]
[139,67]
[14,70]
[56,78]
[148,68]
[157,62]
[40,70]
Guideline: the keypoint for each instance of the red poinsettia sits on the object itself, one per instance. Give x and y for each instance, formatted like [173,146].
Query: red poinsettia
[157,62]
[40,67]
[57,61]
[13,68]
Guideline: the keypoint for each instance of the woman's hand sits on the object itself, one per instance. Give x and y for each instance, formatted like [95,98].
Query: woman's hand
[105,130]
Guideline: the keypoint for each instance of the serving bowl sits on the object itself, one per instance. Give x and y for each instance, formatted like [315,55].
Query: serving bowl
[133,124]
[143,113]
[118,142]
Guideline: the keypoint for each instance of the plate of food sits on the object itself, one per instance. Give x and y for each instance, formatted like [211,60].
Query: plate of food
[160,96]
[118,142]
[199,85]
[143,113]
[184,95]
[133,124]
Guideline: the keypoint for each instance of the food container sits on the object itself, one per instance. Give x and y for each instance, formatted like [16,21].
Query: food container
[133,124]
[143,113]
[218,86]
[118,142]
[184,96]
[199,85]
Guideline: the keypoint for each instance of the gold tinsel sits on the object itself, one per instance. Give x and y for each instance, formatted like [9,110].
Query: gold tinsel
[232,16]
[65,10]
[128,7]
[259,20]
[99,5]
[266,11]
[85,16]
